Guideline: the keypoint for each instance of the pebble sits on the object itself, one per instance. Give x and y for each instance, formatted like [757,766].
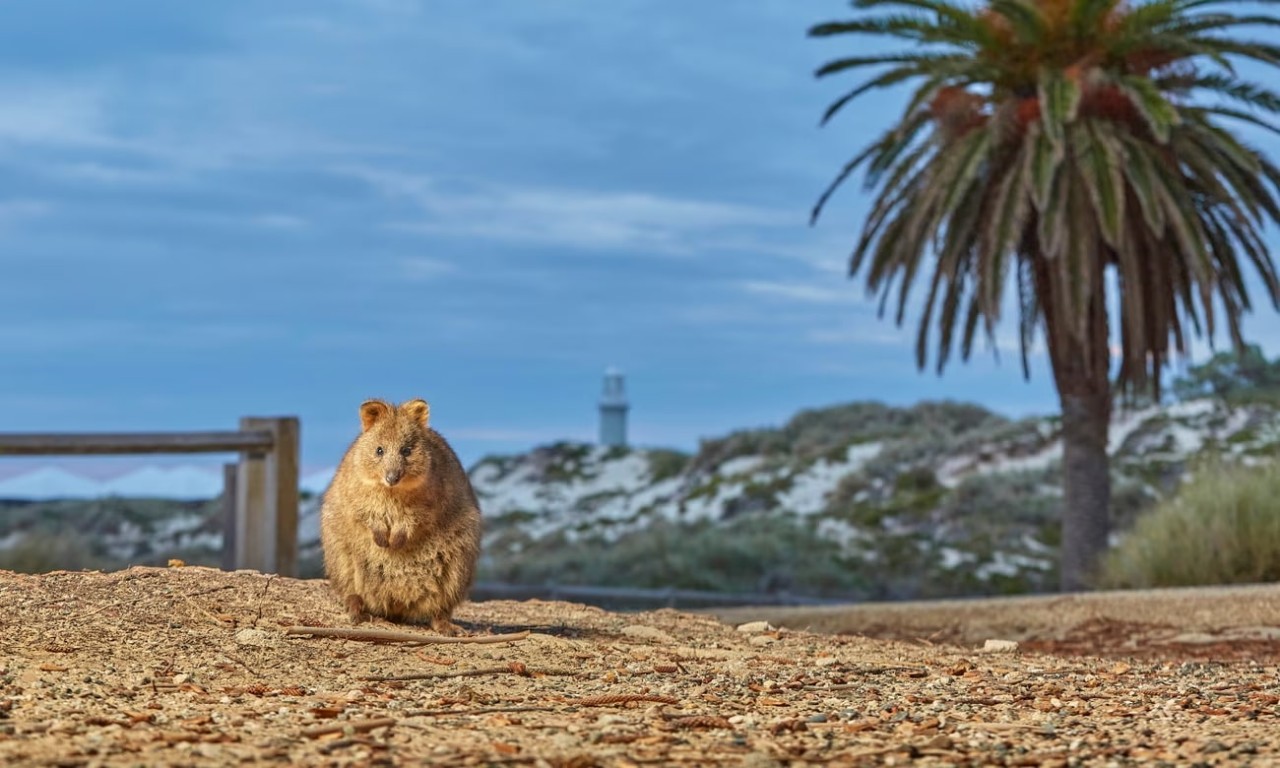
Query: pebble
[1000,646]
[607,720]
[254,637]
[755,626]
[645,632]
[760,760]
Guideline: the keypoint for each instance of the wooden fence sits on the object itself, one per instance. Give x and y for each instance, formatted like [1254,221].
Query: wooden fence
[261,490]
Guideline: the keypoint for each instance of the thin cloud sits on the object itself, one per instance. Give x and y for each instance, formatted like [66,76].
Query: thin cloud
[879,333]
[506,435]
[98,334]
[108,174]
[280,221]
[52,114]
[421,268]
[805,293]
[15,211]
[586,219]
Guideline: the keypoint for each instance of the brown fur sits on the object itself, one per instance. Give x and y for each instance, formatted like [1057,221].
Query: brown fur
[401,533]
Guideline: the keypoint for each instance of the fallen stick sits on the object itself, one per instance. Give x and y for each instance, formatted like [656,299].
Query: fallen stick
[514,668]
[620,698]
[477,711]
[355,726]
[392,636]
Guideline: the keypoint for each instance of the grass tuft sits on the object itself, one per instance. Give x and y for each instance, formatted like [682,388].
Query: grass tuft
[1222,527]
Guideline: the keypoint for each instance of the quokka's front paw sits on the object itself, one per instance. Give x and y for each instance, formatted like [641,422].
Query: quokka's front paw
[380,536]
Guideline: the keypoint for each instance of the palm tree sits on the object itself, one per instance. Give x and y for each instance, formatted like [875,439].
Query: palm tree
[1073,151]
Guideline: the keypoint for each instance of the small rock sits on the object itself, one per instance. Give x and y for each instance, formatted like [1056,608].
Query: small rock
[645,632]
[763,640]
[179,679]
[255,637]
[608,720]
[816,718]
[826,661]
[755,626]
[760,760]
[1000,646]
[1246,748]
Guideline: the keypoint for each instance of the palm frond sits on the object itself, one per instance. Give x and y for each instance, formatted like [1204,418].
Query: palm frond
[1059,102]
[1068,148]
[1100,161]
[1160,115]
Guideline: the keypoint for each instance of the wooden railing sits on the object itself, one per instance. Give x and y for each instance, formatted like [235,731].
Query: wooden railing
[260,491]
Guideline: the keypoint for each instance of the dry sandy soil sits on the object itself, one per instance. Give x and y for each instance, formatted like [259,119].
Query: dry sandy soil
[191,666]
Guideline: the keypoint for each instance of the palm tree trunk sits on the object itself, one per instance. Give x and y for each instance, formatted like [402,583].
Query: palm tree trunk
[1086,514]
[1081,371]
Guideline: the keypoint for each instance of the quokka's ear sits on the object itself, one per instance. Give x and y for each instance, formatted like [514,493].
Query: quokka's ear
[418,410]
[371,411]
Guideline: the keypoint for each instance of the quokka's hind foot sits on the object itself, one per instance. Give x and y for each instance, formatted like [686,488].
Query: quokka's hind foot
[441,625]
[355,609]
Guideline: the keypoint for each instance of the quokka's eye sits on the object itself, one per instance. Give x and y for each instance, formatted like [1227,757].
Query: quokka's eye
[405,451]
[379,451]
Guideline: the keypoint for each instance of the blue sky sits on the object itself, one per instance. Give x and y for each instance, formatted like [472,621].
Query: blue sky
[224,208]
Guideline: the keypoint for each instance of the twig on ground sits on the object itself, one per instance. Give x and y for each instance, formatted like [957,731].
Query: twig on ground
[261,601]
[620,698]
[100,609]
[337,744]
[355,726]
[701,721]
[476,711]
[515,668]
[391,636]
[863,671]
[250,669]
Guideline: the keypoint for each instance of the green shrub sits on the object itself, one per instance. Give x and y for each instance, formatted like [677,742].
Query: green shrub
[1222,527]
[42,552]
[916,480]
[665,464]
[615,452]
[749,553]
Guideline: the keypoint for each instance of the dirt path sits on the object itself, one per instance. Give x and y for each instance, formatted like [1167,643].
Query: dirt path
[191,666]
[1204,622]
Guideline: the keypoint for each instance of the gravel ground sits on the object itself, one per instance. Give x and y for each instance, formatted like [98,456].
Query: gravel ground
[192,666]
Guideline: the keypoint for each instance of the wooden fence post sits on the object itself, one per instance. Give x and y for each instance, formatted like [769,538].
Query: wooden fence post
[266,537]
[229,506]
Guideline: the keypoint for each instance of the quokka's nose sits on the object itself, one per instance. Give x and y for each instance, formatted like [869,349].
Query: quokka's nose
[392,478]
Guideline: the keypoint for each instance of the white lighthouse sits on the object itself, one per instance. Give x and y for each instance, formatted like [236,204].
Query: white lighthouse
[613,411]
